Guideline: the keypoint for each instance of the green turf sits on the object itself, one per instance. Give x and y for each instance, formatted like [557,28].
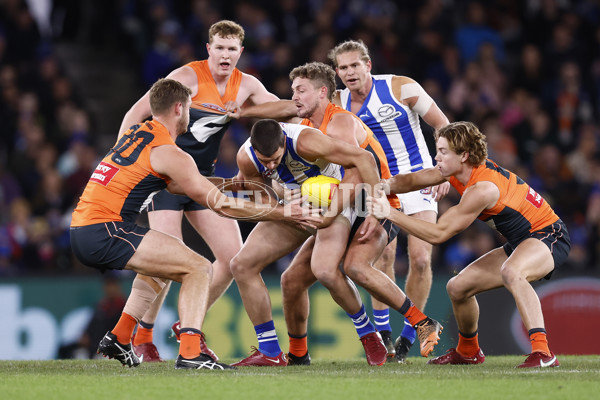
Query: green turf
[577,378]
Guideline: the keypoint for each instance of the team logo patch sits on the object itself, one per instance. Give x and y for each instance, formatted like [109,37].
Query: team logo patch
[104,173]
[534,198]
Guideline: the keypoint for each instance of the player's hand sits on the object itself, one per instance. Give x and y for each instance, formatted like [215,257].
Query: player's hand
[367,228]
[379,206]
[440,191]
[299,211]
[233,110]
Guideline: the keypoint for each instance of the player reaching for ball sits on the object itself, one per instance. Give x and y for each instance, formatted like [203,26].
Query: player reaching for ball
[313,87]
[537,240]
[289,154]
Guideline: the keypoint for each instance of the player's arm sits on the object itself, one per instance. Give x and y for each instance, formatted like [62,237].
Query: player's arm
[313,145]
[141,109]
[415,97]
[281,110]
[404,183]
[455,220]
[173,162]
[337,98]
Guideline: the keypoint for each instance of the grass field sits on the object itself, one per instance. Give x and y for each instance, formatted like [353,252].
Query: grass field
[578,377]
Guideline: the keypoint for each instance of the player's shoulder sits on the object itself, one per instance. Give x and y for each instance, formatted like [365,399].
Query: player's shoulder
[402,79]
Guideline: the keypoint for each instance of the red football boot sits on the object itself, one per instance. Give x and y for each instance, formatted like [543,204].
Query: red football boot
[539,360]
[454,357]
[258,359]
[375,349]
[149,351]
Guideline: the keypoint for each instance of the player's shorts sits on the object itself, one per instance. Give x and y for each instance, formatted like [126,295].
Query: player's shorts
[108,245]
[555,236]
[417,201]
[390,228]
[164,200]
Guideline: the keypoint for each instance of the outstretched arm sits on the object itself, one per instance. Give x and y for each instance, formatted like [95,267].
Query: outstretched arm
[180,167]
[455,220]
[404,183]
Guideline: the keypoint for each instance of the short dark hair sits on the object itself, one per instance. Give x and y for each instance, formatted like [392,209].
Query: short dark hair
[266,137]
[464,136]
[165,93]
[319,73]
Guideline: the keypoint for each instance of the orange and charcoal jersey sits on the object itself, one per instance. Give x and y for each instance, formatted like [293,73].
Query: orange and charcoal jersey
[124,181]
[371,144]
[208,121]
[519,210]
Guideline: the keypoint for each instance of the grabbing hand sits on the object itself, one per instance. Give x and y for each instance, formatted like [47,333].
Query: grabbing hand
[300,212]
[378,206]
[440,191]
[233,110]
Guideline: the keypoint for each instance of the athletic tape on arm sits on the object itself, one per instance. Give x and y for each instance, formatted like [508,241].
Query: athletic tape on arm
[415,90]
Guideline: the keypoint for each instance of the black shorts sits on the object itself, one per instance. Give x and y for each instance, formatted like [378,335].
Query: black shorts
[555,236]
[108,245]
[390,228]
[164,200]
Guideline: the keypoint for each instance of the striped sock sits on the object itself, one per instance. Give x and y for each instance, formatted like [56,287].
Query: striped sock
[362,323]
[382,319]
[408,332]
[267,339]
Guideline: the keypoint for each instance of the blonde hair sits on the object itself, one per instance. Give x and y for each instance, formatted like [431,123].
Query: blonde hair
[321,75]
[226,29]
[348,46]
[463,136]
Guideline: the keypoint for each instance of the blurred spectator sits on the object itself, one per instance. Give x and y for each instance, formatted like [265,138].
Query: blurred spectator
[528,73]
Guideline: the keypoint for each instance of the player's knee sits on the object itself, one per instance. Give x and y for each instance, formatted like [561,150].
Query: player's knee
[455,290]
[290,286]
[509,274]
[420,262]
[240,267]
[327,277]
[356,272]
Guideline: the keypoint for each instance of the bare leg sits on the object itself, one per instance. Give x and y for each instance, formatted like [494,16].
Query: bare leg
[268,242]
[295,282]
[224,246]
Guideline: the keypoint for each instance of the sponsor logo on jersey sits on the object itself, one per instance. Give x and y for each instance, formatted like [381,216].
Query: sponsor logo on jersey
[534,198]
[387,112]
[213,107]
[104,173]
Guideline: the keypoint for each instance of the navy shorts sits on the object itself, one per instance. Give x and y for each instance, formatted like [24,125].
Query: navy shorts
[164,200]
[555,236]
[390,228]
[108,245]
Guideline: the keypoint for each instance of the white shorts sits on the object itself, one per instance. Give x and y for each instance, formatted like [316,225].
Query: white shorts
[417,201]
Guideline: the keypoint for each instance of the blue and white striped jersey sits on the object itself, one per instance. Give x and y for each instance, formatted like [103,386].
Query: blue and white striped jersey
[395,125]
[293,169]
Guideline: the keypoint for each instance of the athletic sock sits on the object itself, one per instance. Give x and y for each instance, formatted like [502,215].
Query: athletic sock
[143,333]
[539,341]
[362,323]
[124,328]
[382,319]
[189,345]
[468,344]
[298,344]
[411,313]
[267,339]
[408,332]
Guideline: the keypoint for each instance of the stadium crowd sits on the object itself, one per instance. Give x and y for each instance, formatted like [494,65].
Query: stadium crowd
[527,72]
